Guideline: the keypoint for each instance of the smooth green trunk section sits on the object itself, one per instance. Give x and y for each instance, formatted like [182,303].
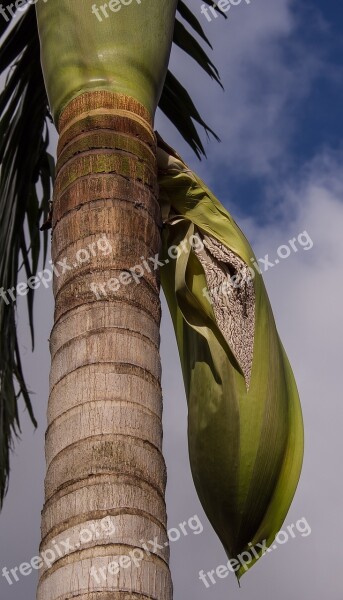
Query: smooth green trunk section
[126,52]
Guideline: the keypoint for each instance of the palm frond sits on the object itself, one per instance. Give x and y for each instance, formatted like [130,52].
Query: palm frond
[175,101]
[24,163]
[26,177]
[188,44]
[188,16]
[178,106]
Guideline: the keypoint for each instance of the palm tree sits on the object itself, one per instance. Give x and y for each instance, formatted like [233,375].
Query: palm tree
[104,519]
[100,81]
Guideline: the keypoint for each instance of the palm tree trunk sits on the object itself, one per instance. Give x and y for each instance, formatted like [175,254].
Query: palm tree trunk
[105,482]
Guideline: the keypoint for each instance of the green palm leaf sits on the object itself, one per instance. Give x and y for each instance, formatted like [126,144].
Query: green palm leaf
[24,162]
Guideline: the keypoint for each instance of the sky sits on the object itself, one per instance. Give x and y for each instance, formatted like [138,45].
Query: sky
[278,170]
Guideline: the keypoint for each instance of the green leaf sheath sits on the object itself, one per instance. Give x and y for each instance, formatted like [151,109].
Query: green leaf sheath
[245,437]
[126,53]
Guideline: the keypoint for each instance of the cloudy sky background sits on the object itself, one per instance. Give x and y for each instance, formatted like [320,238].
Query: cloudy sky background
[279,171]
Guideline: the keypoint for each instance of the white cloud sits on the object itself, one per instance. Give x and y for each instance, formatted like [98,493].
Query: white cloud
[266,69]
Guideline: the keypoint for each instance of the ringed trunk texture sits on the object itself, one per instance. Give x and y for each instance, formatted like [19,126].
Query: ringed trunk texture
[106,476]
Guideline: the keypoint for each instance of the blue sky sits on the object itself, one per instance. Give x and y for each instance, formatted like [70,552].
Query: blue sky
[292,73]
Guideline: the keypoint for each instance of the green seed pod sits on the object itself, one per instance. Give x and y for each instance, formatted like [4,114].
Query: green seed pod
[245,429]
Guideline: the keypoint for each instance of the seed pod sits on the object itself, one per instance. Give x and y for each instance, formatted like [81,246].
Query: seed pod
[245,429]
